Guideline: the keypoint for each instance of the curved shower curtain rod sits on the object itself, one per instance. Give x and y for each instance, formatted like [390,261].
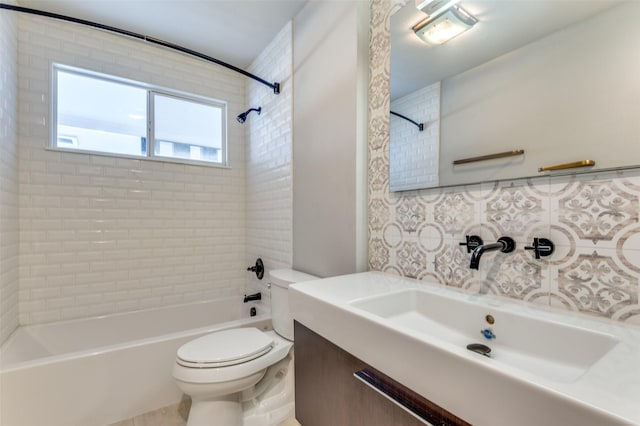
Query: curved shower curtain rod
[274,86]
[419,125]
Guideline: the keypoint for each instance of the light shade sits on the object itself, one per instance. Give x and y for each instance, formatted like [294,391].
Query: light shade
[439,29]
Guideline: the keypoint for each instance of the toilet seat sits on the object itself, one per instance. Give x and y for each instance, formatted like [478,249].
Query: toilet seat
[225,348]
[187,374]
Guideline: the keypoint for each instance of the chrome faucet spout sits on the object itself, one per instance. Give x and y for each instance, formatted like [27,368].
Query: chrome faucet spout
[504,244]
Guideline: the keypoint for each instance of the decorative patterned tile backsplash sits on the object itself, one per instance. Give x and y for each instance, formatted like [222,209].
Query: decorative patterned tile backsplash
[592,220]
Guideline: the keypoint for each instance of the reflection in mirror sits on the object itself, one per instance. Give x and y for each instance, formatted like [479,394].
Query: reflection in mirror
[413,155]
[539,76]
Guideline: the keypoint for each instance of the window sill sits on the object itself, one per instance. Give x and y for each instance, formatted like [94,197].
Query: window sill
[136,157]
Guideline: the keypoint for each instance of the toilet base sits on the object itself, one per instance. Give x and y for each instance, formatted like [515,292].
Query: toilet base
[276,403]
[225,411]
[214,404]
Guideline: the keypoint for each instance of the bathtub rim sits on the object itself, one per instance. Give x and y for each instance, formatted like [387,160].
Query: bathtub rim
[261,321]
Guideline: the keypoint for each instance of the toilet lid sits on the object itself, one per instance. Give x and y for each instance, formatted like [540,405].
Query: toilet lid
[225,348]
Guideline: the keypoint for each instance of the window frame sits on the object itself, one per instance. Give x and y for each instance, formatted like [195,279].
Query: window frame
[150,124]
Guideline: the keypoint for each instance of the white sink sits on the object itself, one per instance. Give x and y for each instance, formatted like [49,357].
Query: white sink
[544,348]
[546,366]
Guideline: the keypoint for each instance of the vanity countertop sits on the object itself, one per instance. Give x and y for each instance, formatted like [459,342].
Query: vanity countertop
[481,390]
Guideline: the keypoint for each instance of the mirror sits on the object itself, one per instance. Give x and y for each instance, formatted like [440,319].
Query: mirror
[557,80]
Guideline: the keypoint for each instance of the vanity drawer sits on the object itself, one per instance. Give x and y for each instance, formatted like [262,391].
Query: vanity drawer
[335,388]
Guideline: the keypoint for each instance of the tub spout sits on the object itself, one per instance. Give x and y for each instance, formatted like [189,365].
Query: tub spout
[504,244]
[252,297]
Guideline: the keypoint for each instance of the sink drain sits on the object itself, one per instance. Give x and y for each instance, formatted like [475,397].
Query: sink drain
[479,348]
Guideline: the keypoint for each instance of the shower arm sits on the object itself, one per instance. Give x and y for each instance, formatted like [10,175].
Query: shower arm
[275,86]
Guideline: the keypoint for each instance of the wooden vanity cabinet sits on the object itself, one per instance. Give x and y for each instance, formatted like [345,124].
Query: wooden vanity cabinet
[327,392]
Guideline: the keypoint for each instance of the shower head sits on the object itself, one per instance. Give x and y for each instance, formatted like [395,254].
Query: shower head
[243,117]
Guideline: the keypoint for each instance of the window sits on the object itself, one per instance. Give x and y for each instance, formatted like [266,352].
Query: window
[186,129]
[103,114]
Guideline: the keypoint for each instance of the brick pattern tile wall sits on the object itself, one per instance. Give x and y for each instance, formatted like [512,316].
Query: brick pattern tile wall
[8,173]
[593,220]
[413,155]
[269,192]
[99,234]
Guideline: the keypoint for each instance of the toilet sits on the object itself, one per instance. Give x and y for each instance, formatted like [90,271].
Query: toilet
[220,369]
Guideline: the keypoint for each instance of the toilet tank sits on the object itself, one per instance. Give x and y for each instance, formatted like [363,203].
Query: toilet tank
[280,280]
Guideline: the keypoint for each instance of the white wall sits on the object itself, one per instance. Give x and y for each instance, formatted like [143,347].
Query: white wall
[104,234]
[330,59]
[554,96]
[8,173]
[101,234]
[269,193]
[414,154]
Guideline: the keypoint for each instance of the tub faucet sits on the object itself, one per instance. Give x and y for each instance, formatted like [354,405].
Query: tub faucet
[252,297]
[504,244]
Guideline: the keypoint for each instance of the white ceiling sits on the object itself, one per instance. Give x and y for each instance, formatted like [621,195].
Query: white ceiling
[234,31]
[503,26]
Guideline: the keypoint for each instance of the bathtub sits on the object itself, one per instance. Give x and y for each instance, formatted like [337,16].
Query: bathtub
[98,371]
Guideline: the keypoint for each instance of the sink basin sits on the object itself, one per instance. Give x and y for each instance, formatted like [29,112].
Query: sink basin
[544,348]
[545,367]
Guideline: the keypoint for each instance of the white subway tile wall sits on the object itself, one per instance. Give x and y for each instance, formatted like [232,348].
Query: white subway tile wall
[413,154]
[269,192]
[8,173]
[100,235]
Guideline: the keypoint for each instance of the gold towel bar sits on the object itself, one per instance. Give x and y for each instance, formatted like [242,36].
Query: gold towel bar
[575,164]
[490,156]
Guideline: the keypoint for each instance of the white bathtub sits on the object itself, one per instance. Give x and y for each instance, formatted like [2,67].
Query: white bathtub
[97,371]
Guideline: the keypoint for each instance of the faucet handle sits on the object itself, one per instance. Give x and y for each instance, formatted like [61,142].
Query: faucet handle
[472,242]
[258,268]
[541,247]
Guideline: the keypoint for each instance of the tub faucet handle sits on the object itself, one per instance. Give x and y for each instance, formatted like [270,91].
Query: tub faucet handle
[258,268]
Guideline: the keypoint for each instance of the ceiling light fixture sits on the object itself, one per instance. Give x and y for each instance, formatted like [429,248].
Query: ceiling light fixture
[434,7]
[442,28]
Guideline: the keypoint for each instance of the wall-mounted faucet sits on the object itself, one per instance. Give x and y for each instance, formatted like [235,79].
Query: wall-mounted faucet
[472,241]
[504,244]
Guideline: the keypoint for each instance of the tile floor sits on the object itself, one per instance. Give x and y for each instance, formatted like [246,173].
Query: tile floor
[166,416]
[173,415]
[290,422]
